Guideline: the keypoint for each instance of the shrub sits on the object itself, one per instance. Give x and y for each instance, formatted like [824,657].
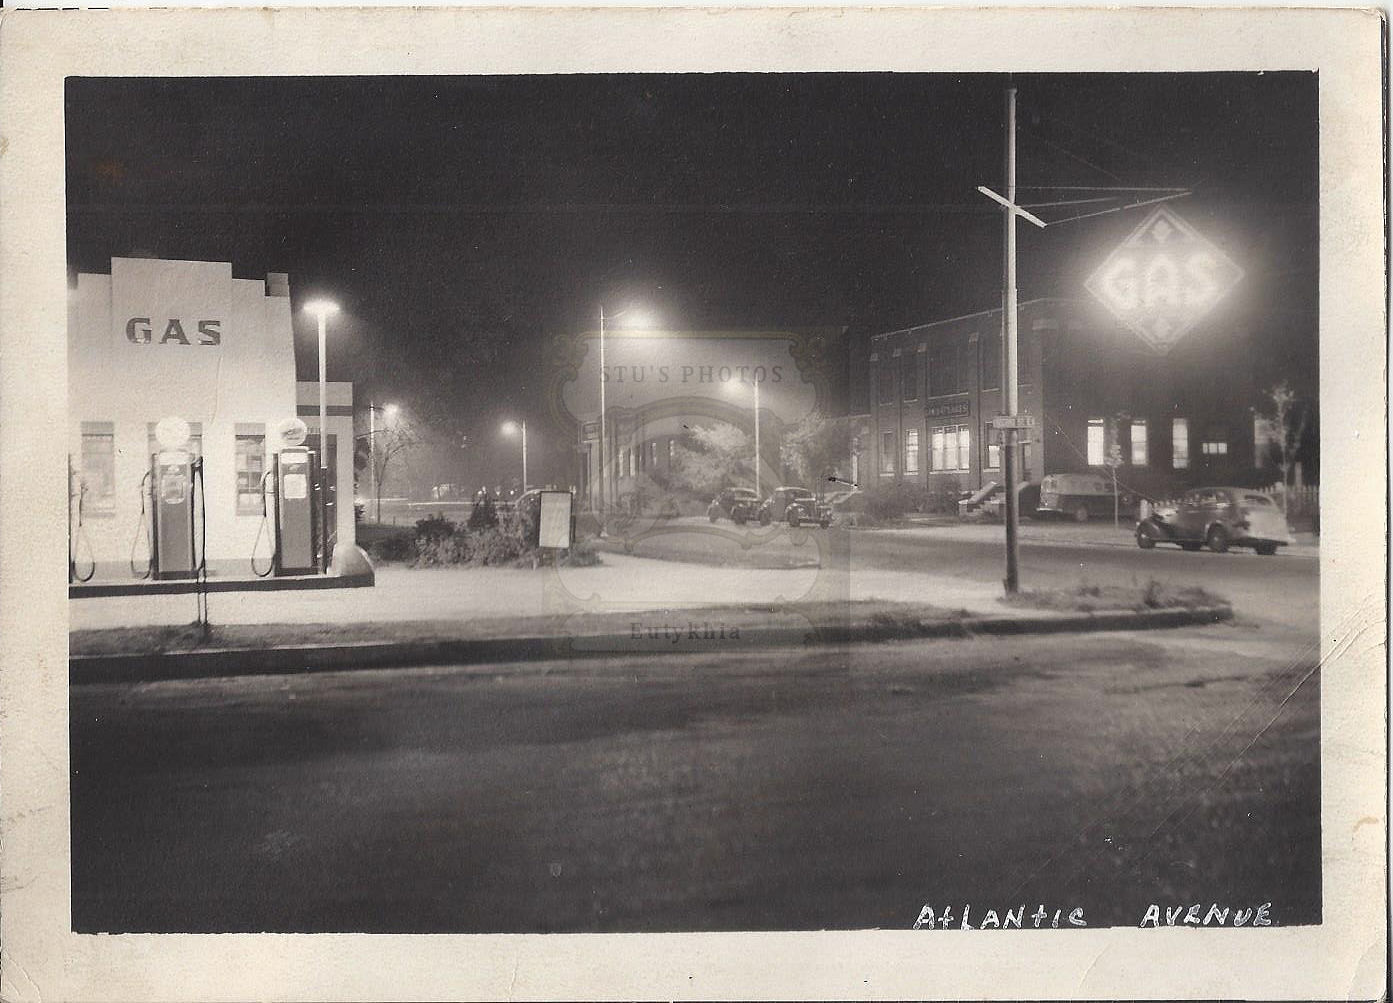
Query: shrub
[484,515]
[434,527]
[394,546]
[892,501]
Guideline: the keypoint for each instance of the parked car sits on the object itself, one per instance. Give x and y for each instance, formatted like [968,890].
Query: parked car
[794,506]
[1218,518]
[1082,497]
[736,504]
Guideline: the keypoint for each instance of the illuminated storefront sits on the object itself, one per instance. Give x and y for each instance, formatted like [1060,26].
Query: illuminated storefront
[158,339]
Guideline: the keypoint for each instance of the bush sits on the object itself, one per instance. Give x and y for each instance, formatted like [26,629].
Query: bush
[484,515]
[390,545]
[581,555]
[892,501]
[433,527]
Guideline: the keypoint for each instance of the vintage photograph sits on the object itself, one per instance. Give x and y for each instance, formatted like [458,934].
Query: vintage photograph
[660,502]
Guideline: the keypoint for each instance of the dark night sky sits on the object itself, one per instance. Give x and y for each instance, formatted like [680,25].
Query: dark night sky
[463,221]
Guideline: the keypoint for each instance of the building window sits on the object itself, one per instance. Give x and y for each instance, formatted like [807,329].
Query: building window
[993,438]
[633,462]
[1212,448]
[886,392]
[951,448]
[671,447]
[1097,442]
[1180,443]
[991,361]
[98,470]
[623,463]
[251,467]
[945,375]
[1266,442]
[887,452]
[911,450]
[1139,443]
[653,455]
[910,376]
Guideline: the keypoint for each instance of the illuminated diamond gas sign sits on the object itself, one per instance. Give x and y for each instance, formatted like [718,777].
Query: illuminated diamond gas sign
[1163,279]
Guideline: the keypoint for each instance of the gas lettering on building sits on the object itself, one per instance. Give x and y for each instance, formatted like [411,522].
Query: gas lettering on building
[141,331]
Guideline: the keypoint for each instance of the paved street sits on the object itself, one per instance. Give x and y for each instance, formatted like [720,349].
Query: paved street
[826,788]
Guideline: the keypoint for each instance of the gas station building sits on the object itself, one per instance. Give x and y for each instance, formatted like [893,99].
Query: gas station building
[160,339]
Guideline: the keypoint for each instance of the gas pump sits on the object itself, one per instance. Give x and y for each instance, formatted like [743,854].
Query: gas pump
[77,535]
[172,507]
[297,511]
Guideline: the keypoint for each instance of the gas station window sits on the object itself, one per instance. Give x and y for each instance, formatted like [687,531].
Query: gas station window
[251,467]
[98,470]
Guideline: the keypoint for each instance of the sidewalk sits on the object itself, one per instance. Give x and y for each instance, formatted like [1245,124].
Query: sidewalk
[629,605]
[620,584]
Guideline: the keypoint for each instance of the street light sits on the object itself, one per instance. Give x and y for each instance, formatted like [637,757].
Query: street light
[635,315]
[730,387]
[323,309]
[512,428]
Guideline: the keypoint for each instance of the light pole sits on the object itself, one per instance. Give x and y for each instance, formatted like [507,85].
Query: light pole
[323,309]
[510,428]
[755,383]
[634,313]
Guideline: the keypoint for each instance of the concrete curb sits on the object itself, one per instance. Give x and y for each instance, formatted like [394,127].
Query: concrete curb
[158,666]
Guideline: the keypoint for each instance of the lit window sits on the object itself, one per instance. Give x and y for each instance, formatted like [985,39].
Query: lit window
[1214,448]
[1180,443]
[1139,443]
[251,466]
[98,466]
[951,448]
[1266,443]
[1097,442]
[670,449]
[633,462]
[993,438]
[911,451]
[887,452]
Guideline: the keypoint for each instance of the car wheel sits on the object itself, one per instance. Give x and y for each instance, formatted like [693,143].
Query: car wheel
[1081,514]
[1266,549]
[1217,539]
[1190,545]
[739,520]
[764,519]
[793,520]
[1145,540]
[712,516]
[825,523]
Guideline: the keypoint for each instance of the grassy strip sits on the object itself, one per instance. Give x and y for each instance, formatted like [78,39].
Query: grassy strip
[1087,598]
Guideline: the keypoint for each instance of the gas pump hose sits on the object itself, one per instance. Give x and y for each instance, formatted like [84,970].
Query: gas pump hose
[142,527]
[261,529]
[80,537]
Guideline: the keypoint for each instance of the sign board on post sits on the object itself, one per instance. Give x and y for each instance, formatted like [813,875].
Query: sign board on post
[554,524]
[1000,422]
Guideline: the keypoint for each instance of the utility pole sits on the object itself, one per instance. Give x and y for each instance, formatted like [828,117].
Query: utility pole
[1009,343]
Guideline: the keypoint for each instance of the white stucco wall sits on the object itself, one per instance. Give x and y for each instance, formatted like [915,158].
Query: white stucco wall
[159,338]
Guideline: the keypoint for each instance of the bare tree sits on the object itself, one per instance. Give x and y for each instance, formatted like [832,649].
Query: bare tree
[388,449]
[1288,416]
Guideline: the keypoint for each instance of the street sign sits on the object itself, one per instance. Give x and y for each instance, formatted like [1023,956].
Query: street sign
[1163,279]
[1001,422]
